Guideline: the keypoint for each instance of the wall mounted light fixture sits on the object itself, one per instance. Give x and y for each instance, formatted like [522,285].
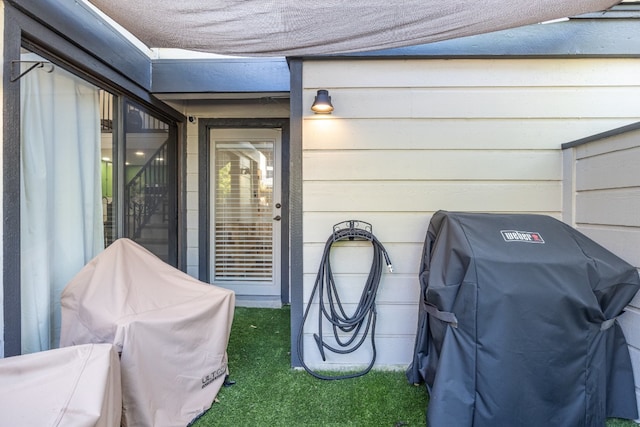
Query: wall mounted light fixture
[322,103]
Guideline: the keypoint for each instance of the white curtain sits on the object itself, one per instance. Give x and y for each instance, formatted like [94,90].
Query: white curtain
[60,195]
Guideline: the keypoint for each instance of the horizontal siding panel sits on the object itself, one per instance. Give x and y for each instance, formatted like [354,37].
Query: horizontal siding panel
[355,257]
[635,302]
[618,142]
[634,353]
[622,241]
[383,196]
[471,72]
[208,108]
[617,169]
[192,253]
[630,323]
[193,270]
[393,319]
[609,207]
[449,133]
[388,227]
[192,162]
[579,102]
[192,219]
[432,165]
[394,288]
[192,200]
[393,352]
[638,402]
[192,182]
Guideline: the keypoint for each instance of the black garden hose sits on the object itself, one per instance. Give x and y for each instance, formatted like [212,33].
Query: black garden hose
[330,306]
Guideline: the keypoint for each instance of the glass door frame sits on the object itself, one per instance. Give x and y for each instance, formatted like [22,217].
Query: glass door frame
[204,191]
[172,177]
[263,291]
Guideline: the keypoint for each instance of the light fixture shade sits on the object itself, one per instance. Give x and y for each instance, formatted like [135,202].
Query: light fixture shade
[322,103]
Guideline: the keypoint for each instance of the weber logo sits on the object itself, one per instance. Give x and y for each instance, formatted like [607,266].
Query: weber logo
[521,236]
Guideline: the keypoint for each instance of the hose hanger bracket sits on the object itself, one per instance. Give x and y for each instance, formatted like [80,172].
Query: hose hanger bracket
[352,229]
[350,326]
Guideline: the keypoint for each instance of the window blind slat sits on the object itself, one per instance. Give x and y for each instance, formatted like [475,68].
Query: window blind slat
[243,211]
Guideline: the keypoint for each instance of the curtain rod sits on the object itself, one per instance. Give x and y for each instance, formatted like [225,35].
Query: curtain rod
[35,64]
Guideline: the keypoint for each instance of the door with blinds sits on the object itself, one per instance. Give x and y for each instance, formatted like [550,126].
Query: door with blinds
[245,214]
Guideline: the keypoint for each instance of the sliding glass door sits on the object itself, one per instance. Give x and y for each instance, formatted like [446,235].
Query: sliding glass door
[149,196]
[94,167]
[61,216]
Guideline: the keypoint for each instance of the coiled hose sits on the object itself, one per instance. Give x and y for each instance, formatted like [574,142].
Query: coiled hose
[331,308]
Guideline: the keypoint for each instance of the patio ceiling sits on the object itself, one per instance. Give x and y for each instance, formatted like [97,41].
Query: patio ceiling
[303,27]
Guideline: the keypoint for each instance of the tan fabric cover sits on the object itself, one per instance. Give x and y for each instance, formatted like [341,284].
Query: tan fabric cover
[171,329]
[66,387]
[302,27]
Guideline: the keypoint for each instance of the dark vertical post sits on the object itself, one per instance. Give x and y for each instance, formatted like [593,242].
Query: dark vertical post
[295,206]
[204,132]
[11,190]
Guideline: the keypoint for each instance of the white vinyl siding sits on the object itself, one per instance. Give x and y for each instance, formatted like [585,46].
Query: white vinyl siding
[409,137]
[603,195]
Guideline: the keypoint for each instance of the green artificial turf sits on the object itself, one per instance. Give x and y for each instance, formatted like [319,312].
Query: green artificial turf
[268,392]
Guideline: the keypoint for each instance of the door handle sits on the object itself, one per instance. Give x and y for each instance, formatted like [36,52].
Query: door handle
[277,218]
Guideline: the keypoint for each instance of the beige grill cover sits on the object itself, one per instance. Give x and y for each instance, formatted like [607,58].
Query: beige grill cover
[172,331]
[67,387]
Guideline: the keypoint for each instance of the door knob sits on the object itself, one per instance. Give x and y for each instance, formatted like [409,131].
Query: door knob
[277,218]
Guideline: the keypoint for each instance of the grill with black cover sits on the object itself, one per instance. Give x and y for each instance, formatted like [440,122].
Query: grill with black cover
[517,324]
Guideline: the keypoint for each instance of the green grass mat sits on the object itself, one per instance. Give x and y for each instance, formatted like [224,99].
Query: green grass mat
[268,392]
